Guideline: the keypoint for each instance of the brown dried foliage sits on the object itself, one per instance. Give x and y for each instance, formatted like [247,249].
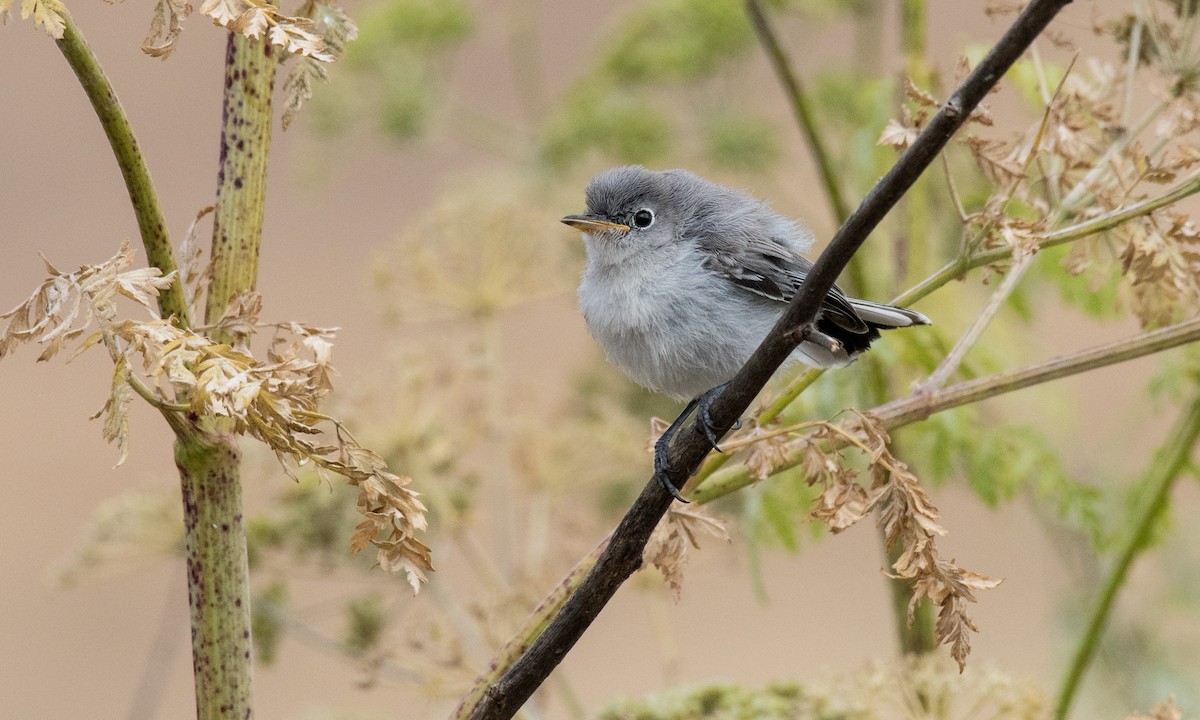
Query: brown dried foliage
[905,513]
[194,381]
[668,546]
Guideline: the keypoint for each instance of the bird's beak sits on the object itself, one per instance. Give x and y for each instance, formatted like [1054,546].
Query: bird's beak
[593,224]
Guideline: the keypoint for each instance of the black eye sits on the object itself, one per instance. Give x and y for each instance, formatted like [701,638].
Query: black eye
[643,218]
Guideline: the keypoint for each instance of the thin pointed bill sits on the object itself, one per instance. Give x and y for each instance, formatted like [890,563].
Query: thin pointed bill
[593,224]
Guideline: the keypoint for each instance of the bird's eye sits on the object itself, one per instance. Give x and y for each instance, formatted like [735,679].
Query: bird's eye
[643,218]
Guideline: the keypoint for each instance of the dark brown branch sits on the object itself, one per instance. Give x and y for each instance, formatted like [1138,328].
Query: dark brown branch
[624,554]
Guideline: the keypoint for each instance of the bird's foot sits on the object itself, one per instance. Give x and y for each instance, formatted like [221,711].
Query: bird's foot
[704,404]
[662,471]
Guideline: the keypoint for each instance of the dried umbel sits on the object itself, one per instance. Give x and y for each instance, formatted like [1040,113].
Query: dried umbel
[199,384]
[476,252]
[904,512]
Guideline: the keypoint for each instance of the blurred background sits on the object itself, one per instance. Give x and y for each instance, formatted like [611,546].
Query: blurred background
[414,204]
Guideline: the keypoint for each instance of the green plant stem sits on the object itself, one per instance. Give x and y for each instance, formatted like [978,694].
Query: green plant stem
[806,120]
[919,406]
[918,638]
[1166,467]
[242,178]
[207,455]
[1108,221]
[913,39]
[151,224]
[801,108]
[218,574]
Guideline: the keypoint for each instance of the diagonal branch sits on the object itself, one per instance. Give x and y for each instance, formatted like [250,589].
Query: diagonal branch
[623,556]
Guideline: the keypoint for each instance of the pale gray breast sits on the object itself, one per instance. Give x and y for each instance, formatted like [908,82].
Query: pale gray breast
[679,332]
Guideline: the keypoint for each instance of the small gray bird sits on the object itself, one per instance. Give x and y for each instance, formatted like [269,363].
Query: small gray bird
[685,277]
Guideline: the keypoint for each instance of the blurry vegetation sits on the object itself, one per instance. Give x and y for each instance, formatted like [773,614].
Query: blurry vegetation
[396,66]
[902,689]
[679,83]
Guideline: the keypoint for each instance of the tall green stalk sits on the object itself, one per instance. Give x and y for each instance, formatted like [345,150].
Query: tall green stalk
[1164,469]
[208,458]
[151,224]
[242,178]
[218,574]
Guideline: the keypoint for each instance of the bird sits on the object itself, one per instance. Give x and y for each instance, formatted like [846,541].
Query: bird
[684,278]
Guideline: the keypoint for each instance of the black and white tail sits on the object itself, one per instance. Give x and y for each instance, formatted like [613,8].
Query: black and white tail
[877,317]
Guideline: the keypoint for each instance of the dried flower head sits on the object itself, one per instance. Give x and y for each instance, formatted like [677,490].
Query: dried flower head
[667,548]
[475,253]
[195,381]
[905,513]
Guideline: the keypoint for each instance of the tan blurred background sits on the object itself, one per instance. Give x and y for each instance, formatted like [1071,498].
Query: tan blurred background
[333,205]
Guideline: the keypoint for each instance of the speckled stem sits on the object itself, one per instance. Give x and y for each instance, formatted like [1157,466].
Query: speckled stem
[218,575]
[207,456]
[242,179]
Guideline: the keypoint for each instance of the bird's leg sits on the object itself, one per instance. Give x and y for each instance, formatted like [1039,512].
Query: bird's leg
[705,402]
[701,404]
[663,445]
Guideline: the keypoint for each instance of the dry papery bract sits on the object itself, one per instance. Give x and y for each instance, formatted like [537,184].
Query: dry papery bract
[200,385]
[1162,710]
[297,34]
[336,28]
[47,14]
[667,548]
[319,30]
[906,515]
[1101,145]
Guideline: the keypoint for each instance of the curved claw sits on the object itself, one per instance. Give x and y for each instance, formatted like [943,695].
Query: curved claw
[705,402]
[660,470]
[660,455]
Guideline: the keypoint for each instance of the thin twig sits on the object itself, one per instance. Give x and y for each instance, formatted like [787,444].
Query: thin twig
[623,556]
[920,405]
[806,120]
[801,108]
[1108,221]
[968,339]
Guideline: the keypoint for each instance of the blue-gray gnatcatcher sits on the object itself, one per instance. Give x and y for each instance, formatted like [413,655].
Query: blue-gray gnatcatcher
[685,278]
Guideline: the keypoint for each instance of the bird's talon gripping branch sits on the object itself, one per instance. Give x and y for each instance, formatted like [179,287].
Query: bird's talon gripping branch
[705,402]
[662,446]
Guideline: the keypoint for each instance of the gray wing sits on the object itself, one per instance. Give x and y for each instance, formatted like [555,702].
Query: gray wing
[770,268]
